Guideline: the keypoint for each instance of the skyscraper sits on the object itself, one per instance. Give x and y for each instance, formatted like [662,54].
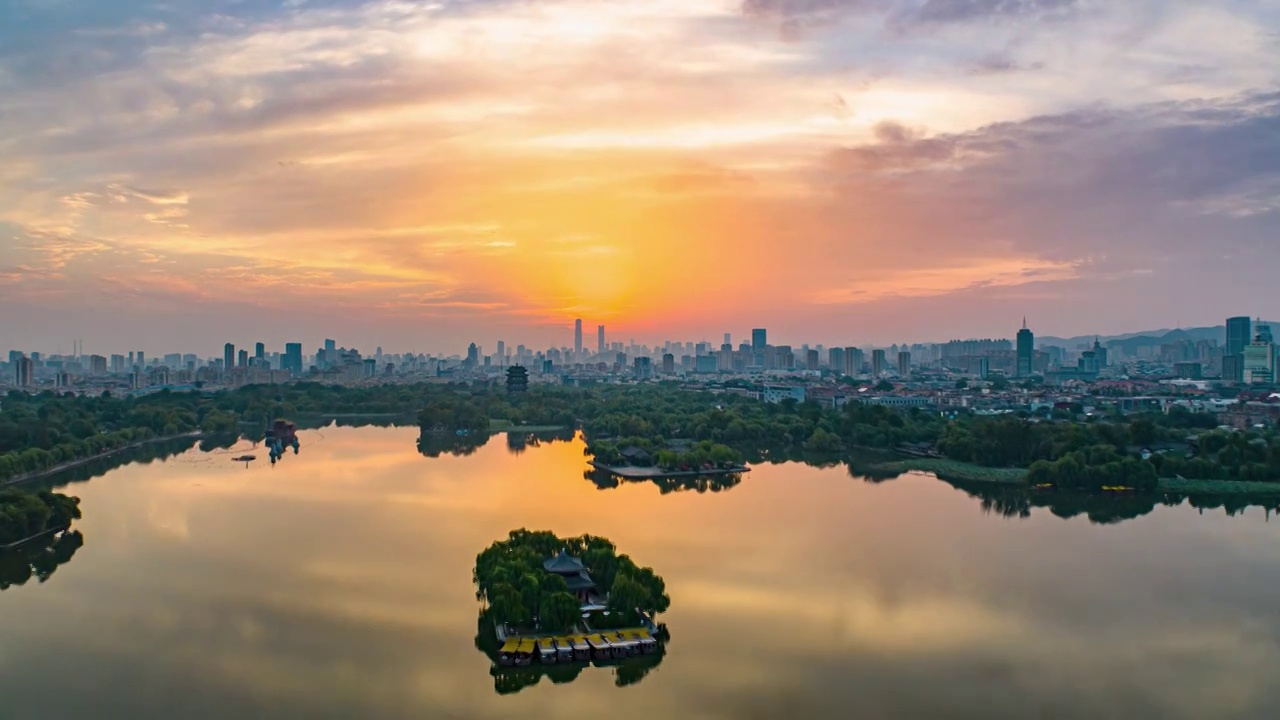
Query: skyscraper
[759,340]
[877,362]
[228,357]
[502,353]
[1239,335]
[23,371]
[243,359]
[577,338]
[260,352]
[600,339]
[293,358]
[904,364]
[1026,348]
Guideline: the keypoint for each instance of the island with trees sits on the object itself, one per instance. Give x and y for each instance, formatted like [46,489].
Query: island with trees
[35,534]
[555,601]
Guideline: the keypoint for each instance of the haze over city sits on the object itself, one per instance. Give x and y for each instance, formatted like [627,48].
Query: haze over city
[424,175]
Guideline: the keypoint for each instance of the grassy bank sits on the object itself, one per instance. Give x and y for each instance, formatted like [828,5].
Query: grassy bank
[1017,476]
[951,469]
[500,425]
[1218,487]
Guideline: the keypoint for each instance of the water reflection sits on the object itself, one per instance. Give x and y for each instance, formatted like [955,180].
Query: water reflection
[38,558]
[338,585]
[1016,501]
[606,480]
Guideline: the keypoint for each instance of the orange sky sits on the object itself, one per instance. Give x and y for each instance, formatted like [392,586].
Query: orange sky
[419,175]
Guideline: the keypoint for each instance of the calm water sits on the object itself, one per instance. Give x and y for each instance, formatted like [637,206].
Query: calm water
[338,585]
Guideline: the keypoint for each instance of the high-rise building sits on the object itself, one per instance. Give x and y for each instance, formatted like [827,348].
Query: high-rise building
[600,339]
[242,360]
[97,365]
[502,353]
[1262,332]
[23,370]
[577,338]
[728,339]
[877,362]
[1026,346]
[759,340]
[1259,362]
[117,364]
[904,364]
[293,358]
[811,359]
[228,357]
[668,364]
[141,359]
[1239,335]
[473,355]
[835,360]
[260,353]
[853,360]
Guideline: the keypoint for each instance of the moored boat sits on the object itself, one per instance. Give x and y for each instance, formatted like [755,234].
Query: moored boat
[507,654]
[581,648]
[622,645]
[524,653]
[564,649]
[648,645]
[600,647]
[546,651]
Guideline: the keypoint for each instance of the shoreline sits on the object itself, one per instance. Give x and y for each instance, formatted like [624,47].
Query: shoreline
[70,464]
[968,472]
[632,472]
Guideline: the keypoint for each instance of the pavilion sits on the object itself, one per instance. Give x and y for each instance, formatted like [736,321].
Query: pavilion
[574,573]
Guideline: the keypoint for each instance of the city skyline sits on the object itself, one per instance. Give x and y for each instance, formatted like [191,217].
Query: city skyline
[372,169]
[755,338]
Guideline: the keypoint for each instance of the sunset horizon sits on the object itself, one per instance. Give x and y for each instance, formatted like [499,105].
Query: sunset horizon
[425,175]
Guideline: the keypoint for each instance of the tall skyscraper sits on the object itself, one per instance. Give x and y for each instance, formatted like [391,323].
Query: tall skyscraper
[260,352]
[1239,335]
[759,340]
[142,359]
[728,339]
[293,358]
[243,359]
[904,364]
[228,357]
[600,339]
[502,353]
[577,338]
[1026,346]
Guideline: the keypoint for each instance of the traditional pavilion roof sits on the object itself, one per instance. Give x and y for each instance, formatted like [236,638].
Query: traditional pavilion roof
[564,564]
[581,581]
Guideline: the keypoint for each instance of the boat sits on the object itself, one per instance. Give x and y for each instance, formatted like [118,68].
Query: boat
[525,651]
[564,649]
[623,646]
[244,458]
[648,645]
[600,647]
[581,648]
[547,651]
[507,654]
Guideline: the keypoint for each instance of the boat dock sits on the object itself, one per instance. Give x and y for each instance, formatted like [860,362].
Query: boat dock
[611,645]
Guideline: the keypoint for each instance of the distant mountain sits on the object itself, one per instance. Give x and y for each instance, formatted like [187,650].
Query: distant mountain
[1129,341]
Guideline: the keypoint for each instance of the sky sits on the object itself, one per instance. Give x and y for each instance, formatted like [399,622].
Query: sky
[175,174]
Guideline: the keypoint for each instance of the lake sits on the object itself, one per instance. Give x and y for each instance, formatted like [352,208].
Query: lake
[337,584]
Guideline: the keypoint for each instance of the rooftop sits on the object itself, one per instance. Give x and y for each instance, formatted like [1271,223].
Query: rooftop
[564,564]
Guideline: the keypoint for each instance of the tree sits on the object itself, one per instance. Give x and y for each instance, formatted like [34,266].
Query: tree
[628,595]
[558,612]
[883,386]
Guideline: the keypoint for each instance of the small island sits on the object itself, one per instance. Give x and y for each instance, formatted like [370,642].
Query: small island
[638,458]
[554,600]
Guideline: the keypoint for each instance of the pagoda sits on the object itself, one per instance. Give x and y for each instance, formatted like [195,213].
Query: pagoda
[574,573]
